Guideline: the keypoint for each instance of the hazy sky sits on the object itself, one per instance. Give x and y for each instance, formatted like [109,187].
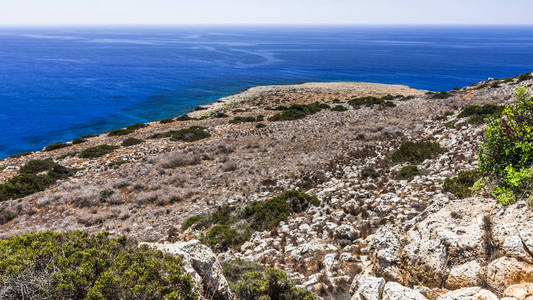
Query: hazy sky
[31,12]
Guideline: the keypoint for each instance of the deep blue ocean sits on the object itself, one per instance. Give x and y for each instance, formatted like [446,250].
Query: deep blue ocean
[60,83]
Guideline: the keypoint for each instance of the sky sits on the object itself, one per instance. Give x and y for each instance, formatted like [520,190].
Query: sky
[310,12]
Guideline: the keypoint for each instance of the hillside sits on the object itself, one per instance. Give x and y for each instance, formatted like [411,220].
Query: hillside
[306,179]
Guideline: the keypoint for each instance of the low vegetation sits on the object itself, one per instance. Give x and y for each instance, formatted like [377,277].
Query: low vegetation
[55,146]
[127,130]
[298,111]
[97,151]
[167,121]
[369,173]
[481,114]
[408,173]
[440,95]
[249,281]
[76,265]
[461,186]
[238,119]
[131,142]
[35,176]
[505,155]
[417,152]
[371,101]
[231,226]
[191,134]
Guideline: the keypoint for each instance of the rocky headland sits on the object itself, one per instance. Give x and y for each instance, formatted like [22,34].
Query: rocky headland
[369,223]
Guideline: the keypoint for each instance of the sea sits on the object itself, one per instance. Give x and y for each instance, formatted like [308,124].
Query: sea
[59,83]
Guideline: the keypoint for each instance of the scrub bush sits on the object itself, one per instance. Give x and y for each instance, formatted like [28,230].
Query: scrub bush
[97,151]
[55,146]
[77,265]
[417,152]
[131,142]
[506,153]
[408,173]
[461,186]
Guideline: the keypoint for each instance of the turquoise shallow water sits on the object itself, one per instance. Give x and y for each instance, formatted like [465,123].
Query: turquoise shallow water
[61,83]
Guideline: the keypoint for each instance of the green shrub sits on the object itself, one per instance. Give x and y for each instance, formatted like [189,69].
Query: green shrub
[441,95]
[450,124]
[55,146]
[339,108]
[232,226]
[131,142]
[272,284]
[104,194]
[220,115]
[37,166]
[417,152]
[191,134]
[184,118]
[506,153]
[369,173]
[78,141]
[234,269]
[408,173]
[88,136]
[195,220]
[238,120]
[119,132]
[461,186]
[223,237]
[167,121]
[77,265]
[298,111]
[480,114]
[30,181]
[97,151]
[524,77]
[260,125]
[19,155]
[370,102]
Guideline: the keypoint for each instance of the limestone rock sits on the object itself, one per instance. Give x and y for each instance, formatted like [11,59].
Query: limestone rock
[471,293]
[522,291]
[465,275]
[396,291]
[205,266]
[514,247]
[368,288]
[506,271]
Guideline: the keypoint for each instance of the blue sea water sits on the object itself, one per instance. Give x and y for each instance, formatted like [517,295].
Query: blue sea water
[60,83]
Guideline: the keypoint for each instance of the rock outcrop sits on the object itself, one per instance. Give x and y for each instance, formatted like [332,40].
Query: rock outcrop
[203,265]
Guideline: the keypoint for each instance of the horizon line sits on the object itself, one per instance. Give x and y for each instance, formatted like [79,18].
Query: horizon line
[256,24]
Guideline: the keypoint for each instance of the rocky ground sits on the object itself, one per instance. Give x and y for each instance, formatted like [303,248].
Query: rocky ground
[373,238]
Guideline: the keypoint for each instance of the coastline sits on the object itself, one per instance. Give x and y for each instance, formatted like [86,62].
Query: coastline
[363,88]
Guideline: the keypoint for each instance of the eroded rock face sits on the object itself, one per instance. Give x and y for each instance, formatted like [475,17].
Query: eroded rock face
[522,291]
[367,288]
[471,293]
[203,265]
[506,271]
[396,291]
[465,275]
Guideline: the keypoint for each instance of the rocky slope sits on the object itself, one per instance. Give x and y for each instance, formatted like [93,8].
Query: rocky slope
[377,236]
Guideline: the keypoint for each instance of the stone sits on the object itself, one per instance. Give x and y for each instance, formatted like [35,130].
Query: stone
[367,287]
[471,293]
[207,270]
[396,291]
[506,271]
[514,247]
[346,232]
[465,275]
[520,291]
